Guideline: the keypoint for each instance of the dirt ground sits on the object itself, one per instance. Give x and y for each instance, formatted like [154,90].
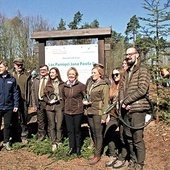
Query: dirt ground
[157,138]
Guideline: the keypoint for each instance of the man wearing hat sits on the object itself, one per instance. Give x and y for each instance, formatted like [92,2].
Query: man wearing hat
[21,75]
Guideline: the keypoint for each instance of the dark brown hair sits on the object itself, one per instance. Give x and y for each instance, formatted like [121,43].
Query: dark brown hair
[58,72]
[4,63]
[115,85]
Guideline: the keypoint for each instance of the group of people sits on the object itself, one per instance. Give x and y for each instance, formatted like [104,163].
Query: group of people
[55,100]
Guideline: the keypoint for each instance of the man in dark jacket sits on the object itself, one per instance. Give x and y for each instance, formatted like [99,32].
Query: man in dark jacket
[9,100]
[38,102]
[133,91]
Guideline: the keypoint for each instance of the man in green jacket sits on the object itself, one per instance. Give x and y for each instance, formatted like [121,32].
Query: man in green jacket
[20,75]
[133,91]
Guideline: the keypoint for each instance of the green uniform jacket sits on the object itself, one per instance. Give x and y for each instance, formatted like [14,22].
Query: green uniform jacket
[21,81]
[99,96]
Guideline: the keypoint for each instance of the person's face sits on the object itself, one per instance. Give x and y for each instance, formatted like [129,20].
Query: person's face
[18,67]
[131,56]
[124,65]
[95,74]
[53,74]
[116,75]
[43,71]
[71,75]
[3,69]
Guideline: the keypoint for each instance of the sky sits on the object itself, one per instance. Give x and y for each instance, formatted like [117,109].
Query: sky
[109,13]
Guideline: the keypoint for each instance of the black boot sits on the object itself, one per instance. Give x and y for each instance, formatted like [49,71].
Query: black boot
[70,152]
[78,152]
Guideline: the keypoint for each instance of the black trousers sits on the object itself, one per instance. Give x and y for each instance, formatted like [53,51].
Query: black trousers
[134,138]
[110,135]
[7,114]
[73,124]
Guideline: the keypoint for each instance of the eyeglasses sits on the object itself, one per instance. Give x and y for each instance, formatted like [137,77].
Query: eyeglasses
[116,75]
[42,69]
[130,54]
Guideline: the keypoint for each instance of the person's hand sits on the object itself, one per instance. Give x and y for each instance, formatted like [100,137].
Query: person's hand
[103,121]
[53,101]
[15,109]
[128,107]
[107,119]
[35,109]
[123,106]
[85,102]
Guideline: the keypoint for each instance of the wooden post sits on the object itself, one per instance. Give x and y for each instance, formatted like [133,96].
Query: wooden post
[42,44]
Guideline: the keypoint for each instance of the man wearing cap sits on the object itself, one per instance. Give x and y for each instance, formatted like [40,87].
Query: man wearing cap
[21,75]
[133,91]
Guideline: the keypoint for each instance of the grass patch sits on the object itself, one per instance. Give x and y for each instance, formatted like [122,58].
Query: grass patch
[44,148]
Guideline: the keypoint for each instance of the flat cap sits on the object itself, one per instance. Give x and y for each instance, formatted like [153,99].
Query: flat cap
[18,60]
[99,65]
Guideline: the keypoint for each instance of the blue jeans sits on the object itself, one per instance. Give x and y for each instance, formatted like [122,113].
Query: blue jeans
[7,114]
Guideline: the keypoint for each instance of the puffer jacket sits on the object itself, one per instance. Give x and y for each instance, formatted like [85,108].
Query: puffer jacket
[73,98]
[134,91]
[9,95]
[99,96]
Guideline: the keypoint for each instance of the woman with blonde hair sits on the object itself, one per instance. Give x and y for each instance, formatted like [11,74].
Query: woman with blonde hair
[98,92]
[73,91]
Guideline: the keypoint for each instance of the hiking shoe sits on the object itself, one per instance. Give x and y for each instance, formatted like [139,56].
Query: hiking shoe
[138,167]
[24,141]
[7,146]
[94,161]
[54,147]
[131,165]
[119,164]
[111,161]
[91,157]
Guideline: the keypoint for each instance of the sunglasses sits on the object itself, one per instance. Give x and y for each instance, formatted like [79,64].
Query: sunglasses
[19,65]
[116,74]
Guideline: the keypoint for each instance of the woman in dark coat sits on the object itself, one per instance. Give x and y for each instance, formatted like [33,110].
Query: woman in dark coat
[54,107]
[73,109]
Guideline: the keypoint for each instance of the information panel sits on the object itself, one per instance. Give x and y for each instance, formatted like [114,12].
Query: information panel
[82,57]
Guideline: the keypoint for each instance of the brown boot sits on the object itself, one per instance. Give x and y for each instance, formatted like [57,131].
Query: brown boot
[91,157]
[94,160]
